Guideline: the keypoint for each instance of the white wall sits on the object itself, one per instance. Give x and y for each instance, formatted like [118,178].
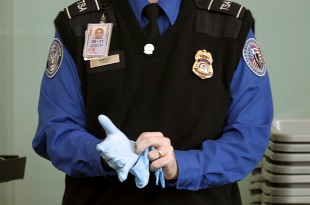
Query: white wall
[26,33]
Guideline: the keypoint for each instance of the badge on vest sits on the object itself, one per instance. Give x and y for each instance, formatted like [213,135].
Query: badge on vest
[253,57]
[203,64]
[54,59]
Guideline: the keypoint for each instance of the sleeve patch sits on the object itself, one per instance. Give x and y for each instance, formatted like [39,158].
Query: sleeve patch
[254,58]
[54,59]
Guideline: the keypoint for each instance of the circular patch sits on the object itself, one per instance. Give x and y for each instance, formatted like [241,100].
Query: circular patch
[253,57]
[54,59]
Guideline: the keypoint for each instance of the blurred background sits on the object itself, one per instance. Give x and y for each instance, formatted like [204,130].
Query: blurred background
[26,32]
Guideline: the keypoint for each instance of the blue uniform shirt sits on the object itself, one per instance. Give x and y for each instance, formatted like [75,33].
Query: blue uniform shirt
[61,136]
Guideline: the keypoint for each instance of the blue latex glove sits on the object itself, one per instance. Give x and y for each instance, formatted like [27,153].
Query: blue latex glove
[116,149]
[159,175]
[119,152]
[141,171]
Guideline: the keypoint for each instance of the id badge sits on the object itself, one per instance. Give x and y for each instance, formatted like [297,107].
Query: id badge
[97,41]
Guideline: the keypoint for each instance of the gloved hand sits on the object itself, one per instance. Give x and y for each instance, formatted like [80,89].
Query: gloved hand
[116,149]
[119,152]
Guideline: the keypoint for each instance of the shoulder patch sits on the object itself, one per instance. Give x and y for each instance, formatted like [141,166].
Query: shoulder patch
[85,6]
[226,7]
[253,57]
[54,59]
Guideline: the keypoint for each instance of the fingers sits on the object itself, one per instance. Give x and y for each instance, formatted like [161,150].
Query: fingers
[169,165]
[122,175]
[114,163]
[163,154]
[148,139]
[107,125]
[158,161]
[156,153]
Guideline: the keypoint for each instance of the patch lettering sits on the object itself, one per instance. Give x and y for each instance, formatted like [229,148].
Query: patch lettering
[226,5]
[82,6]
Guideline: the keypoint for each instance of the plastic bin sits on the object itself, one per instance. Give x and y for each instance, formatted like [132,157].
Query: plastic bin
[289,147]
[286,130]
[286,168]
[286,199]
[287,157]
[285,178]
[286,191]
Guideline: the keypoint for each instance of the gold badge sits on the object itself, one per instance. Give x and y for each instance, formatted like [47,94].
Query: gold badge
[203,64]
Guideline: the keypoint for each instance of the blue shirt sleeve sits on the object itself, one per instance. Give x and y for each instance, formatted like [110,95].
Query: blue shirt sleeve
[61,136]
[243,142]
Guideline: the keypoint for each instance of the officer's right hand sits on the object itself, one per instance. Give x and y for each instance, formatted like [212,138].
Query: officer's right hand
[116,149]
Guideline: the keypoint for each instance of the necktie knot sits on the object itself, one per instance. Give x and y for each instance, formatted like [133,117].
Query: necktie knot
[152,12]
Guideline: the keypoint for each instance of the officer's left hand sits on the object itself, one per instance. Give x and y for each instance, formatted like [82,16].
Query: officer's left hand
[163,156]
[116,149]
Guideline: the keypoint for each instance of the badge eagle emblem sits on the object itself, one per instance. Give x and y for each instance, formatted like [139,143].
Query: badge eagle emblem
[203,64]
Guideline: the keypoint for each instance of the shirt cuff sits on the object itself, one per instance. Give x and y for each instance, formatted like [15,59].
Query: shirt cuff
[171,183]
[188,167]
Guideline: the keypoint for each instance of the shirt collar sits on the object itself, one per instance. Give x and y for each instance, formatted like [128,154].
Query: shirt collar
[170,7]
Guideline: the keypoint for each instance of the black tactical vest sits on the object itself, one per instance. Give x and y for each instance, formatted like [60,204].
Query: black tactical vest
[157,92]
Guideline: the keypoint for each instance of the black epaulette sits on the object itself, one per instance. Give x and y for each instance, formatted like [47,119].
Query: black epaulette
[85,6]
[226,7]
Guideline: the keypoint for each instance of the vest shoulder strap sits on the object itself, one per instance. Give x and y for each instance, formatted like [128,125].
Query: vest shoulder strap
[222,6]
[85,6]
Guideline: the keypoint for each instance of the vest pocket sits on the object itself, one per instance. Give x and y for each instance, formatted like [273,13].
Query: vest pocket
[115,61]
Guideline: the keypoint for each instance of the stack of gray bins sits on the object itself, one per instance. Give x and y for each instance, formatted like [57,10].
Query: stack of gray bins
[285,168]
[256,183]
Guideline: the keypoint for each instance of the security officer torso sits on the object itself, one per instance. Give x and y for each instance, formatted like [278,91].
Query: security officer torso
[180,88]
